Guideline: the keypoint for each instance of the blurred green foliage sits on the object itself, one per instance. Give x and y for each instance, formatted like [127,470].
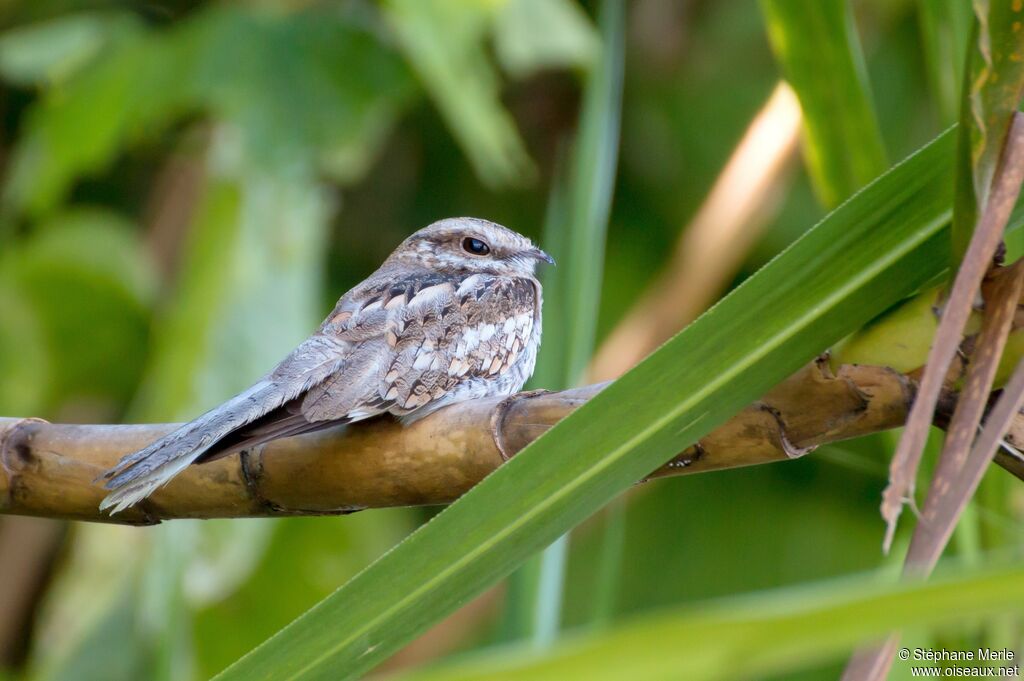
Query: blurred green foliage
[80,291]
[190,185]
[230,63]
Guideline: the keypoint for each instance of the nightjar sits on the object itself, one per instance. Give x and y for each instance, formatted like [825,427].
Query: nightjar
[453,314]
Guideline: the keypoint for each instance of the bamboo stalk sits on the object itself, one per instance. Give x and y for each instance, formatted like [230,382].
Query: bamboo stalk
[48,470]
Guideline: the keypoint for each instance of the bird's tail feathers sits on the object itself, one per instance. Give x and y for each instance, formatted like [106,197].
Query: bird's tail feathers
[138,475]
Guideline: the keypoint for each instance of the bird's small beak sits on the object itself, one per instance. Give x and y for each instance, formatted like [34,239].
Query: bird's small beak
[538,254]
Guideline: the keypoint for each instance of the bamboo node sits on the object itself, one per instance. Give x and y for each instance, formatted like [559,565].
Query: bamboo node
[500,414]
[251,461]
[16,452]
[791,450]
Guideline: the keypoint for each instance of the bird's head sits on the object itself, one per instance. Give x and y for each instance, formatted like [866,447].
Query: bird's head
[470,245]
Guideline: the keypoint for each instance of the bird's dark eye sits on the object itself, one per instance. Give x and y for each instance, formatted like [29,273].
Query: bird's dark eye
[475,246]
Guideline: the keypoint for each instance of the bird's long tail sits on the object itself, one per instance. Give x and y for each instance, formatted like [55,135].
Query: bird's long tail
[138,475]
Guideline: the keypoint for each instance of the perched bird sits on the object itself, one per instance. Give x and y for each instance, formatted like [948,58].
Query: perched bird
[453,314]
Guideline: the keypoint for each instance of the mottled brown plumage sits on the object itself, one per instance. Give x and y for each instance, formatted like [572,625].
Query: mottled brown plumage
[441,321]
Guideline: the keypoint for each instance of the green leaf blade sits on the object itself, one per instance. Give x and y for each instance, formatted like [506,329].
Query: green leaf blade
[767,633]
[945,27]
[993,83]
[816,44]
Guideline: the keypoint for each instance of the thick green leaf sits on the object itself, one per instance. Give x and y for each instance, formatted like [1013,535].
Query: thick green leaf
[816,44]
[945,27]
[874,250]
[992,91]
[462,81]
[754,636]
